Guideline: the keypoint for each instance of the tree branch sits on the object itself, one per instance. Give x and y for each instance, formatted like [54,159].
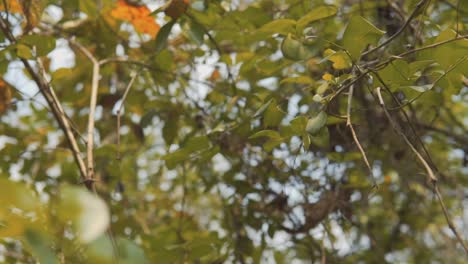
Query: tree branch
[119,110]
[429,171]
[92,109]
[413,15]
[54,104]
[355,138]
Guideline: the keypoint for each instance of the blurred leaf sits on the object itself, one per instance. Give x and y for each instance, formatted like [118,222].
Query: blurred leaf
[23,51]
[42,43]
[41,246]
[299,125]
[294,49]
[161,39]
[88,213]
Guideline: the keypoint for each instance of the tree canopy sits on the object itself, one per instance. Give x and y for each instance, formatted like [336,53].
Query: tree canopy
[243,131]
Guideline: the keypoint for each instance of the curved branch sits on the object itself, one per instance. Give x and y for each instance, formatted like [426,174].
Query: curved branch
[390,39]
[92,109]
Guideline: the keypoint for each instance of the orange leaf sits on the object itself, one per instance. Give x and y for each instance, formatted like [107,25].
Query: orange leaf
[139,16]
[5,96]
[13,6]
[215,75]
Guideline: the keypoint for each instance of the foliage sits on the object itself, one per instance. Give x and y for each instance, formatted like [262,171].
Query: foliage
[211,131]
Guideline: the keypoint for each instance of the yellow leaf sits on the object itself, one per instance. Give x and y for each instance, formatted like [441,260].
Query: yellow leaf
[340,59]
[327,77]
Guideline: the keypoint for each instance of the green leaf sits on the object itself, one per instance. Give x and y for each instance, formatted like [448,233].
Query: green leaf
[147,118]
[298,125]
[306,140]
[299,80]
[175,158]
[16,196]
[40,246]
[280,26]
[102,251]
[263,108]
[161,39]
[130,253]
[272,116]
[89,7]
[316,123]
[396,74]
[418,88]
[272,134]
[196,33]
[193,145]
[272,143]
[170,130]
[317,13]
[43,44]
[197,143]
[87,212]
[358,34]
[448,54]
[23,51]
[294,49]
[321,138]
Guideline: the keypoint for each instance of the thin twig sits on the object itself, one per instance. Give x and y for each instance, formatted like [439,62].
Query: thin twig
[400,30]
[119,110]
[451,68]
[404,54]
[395,126]
[355,138]
[429,171]
[447,217]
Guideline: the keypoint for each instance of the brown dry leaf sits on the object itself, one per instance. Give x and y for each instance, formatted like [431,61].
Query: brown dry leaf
[176,8]
[139,16]
[5,96]
[215,75]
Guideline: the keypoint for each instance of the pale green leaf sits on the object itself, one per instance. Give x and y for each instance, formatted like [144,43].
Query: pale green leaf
[359,34]
[315,123]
